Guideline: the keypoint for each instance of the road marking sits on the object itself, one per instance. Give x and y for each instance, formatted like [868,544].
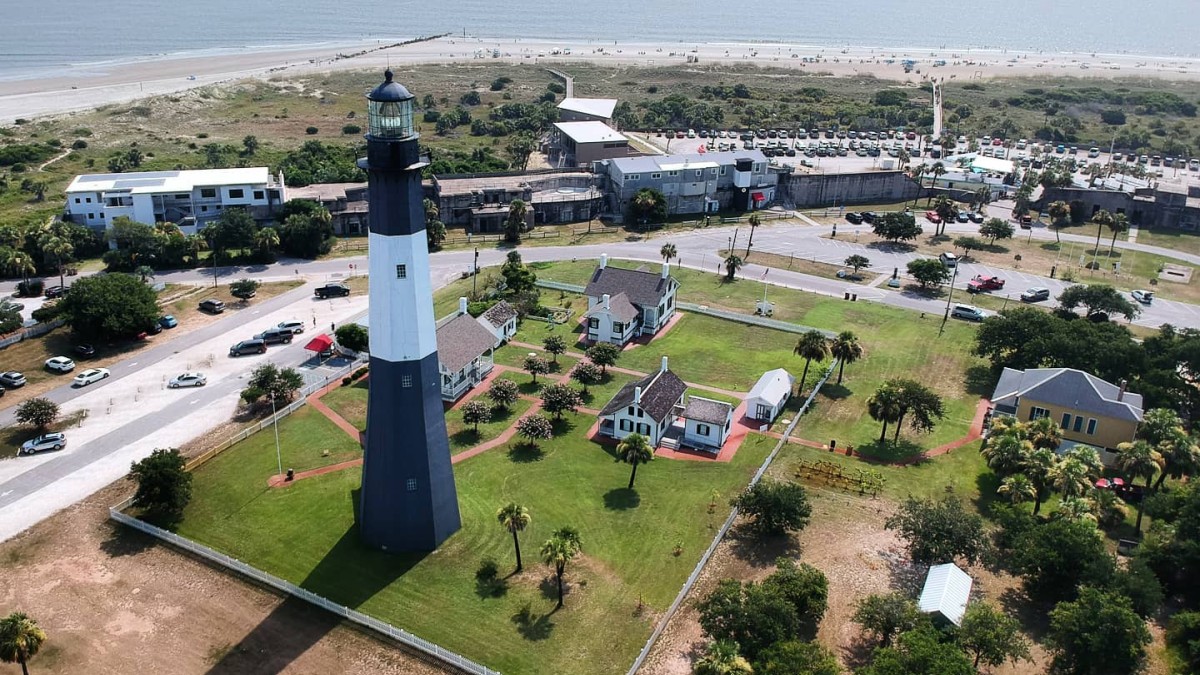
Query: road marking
[5,493]
[133,364]
[194,401]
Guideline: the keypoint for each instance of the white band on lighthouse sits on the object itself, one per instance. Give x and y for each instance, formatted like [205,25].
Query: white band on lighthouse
[401,311]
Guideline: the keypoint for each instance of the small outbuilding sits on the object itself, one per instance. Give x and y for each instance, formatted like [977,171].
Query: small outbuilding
[947,590]
[769,395]
[706,423]
[501,321]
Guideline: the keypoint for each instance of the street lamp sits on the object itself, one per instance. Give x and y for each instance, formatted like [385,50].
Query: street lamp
[949,298]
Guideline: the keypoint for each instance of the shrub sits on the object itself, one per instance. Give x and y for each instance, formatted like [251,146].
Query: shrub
[46,313]
[351,129]
[37,412]
[30,288]
[775,508]
[202,135]
[79,144]
[311,131]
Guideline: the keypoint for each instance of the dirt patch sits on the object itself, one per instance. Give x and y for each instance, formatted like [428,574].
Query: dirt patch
[113,600]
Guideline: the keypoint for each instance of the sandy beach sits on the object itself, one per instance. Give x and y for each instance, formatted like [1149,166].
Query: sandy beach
[95,86]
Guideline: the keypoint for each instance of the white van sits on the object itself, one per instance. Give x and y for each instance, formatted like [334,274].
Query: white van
[968,312]
[948,259]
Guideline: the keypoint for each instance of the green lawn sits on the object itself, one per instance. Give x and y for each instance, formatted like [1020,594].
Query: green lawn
[305,533]
[600,394]
[514,356]
[464,436]
[350,402]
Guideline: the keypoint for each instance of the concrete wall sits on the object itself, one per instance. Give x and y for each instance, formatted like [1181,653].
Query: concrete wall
[801,190]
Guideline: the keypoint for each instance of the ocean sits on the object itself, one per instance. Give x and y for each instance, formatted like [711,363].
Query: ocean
[61,35]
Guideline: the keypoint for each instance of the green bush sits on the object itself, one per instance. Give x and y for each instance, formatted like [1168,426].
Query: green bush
[79,144]
[351,129]
[311,131]
[46,313]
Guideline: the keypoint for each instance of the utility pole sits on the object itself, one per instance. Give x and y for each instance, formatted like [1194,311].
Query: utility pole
[949,298]
[475,270]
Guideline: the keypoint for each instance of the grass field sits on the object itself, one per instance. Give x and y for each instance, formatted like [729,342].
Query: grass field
[629,542]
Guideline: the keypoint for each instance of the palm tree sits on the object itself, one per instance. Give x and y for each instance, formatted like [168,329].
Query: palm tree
[1119,224]
[431,210]
[938,169]
[846,349]
[1058,211]
[634,449]
[1018,488]
[266,239]
[667,252]
[1044,433]
[59,247]
[811,345]
[1007,454]
[196,243]
[20,639]
[884,406]
[1163,430]
[558,550]
[1102,219]
[1075,509]
[946,210]
[1072,477]
[1138,459]
[144,272]
[733,263]
[1040,469]
[722,658]
[19,263]
[514,518]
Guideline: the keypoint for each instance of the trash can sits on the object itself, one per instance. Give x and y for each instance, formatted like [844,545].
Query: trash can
[291,474]
[847,297]
[854,297]
[832,445]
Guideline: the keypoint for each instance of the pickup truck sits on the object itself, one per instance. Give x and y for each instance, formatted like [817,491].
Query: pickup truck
[981,283]
[332,291]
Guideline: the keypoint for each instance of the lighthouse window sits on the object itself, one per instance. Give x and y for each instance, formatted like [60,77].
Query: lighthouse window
[401,271]
[411,485]
[406,381]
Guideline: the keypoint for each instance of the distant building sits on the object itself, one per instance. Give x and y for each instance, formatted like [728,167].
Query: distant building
[479,202]
[190,199]
[648,406]
[587,110]
[1158,205]
[692,183]
[624,303]
[581,143]
[346,202]
[1089,410]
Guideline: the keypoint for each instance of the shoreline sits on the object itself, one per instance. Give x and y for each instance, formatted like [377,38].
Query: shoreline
[99,84]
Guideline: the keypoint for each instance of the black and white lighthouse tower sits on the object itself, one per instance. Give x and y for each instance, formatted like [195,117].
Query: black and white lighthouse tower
[408,500]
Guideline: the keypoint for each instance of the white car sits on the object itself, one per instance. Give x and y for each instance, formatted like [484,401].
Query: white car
[188,380]
[89,376]
[1144,297]
[60,364]
[296,327]
[44,442]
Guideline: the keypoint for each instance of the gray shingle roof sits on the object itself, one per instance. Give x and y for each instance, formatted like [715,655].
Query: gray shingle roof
[644,289]
[460,341]
[618,306]
[660,392]
[499,314]
[1069,388]
[707,411]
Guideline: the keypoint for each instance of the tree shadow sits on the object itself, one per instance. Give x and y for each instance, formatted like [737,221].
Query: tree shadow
[904,576]
[524,453]
[835,392]
[465,437]
[621,499]
[123,541]
[858,653]
[1034,617]
[490,587]
[903,450]
[916,291]
[892,246]
[987,483]
[562,425]
[534,629]
[980,381]
[758,550]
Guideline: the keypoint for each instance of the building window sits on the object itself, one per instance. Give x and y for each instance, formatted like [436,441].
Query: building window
[593,322]
[402,271]
[91,216]
[204,208]
[411,485]
[406,381]
[1078,422]
[208,193]
[89,200]
[699,173]
[236,193]
[183,196]
[672,173]
[1066,422]
[1091,427]
[101,215]
[258,194]
[634,176]
[626,425]
[618,327]
[1036,413]
[641,413]
[77,200]
[656,176]
[643,429]
[712,172]
[723,170]
[703,429]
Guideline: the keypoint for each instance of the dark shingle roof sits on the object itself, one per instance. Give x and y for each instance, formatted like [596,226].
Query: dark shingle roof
[660,392]
[499,314]
[460,341]
[619,307]
[707,410]
[645,289]
[1069,388]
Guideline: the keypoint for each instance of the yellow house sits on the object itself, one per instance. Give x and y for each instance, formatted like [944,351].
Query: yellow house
[1089,410]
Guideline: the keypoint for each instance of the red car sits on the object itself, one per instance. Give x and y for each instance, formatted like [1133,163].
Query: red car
[981,283]
[933,217]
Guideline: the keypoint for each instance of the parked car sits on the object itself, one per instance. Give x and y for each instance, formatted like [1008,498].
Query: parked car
[1035,294]
[975,217]
[154,328]
[1144,297]
[948,259]
[962,217]
[868,216]
[55,292]
[53,441]
[85,350]
[188,380]
[12,379]
[854,218]
[276,336]
[168,321]
[981,283]
[296,327]
[968,312]
[212,306]
[60,364]
[332,291]
[89,376]
[933,217]
[248,347]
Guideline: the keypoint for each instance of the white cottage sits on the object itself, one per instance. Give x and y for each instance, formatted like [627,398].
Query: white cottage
[501,321]
[647,407]
[947,590]
[706,423]
[769,395]
[464,353]
[623,303]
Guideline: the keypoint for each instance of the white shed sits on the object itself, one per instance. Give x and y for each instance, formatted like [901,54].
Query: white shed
[768,396]
[947,589]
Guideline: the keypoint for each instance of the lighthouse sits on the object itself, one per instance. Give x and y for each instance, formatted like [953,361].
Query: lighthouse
[408,500]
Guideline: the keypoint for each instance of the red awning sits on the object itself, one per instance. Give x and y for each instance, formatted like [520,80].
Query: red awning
[319,344]
[758,196]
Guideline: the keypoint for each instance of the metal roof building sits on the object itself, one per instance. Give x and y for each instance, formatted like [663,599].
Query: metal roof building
[947,590]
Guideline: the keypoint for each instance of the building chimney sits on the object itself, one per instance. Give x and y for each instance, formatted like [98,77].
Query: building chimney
[1121,392]
[664,364]
[604,300]
[603,260]
[462,305]
[637,395]
[666,270]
